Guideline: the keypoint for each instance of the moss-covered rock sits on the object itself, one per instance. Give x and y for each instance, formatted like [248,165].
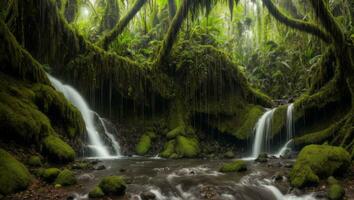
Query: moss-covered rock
[58,150]
[168,150]
[14,176]
[50,174]
[66,178]
[113,185]
[96,193]
[318,161]
[229,154]
[143,145]
[235,166]
[335,192]
[187,147]
[35,161]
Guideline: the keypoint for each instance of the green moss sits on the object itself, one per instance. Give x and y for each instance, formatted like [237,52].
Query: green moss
[143,145]
[335,192]
[59,110]
[169,149]
[50,174]
[180,130]
[235,166]
[113,185]
[66,178]
[279,119]
[35,161]
[187,147]
[14,176]
[58,150]
[318,161]
[96,193]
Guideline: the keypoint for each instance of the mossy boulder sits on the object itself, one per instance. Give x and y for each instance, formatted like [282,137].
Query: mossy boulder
[96,193]
[335,192]
[14,176]
[66,178]
[229,154]
[235,166]
[169,149]
[114,185]
[49,175]
[318,161]
[58,150]
[34,161]
[187,147]
[143,145]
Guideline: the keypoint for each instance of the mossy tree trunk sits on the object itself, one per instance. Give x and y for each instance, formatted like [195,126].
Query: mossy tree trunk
[111,16]
[119,28]
[71,10]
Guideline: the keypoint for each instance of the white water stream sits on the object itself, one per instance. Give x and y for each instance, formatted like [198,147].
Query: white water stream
[96,142]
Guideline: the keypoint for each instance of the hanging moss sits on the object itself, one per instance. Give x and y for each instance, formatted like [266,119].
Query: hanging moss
[14,176]
[318,161]
[57,149]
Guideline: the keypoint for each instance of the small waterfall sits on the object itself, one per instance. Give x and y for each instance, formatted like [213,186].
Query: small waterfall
[95,140]
[289,122]
[262,133]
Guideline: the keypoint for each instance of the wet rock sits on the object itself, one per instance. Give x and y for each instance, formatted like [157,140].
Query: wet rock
[229,154]
[262,158]
[274,164]
[320,195]
[73,196]
[66,178]
[147,195]
[235,166]
[94,162]
[279,176]
[288,165]
[100,167]
[122,170]
[86,177]
[209,193]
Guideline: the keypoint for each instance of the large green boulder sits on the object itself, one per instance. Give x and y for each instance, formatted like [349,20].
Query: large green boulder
[14,176]
[65,178]
[235,166]
[318,161]
[113,185]
[58,150]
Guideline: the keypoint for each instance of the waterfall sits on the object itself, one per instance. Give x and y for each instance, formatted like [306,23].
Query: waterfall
[289,122]
[95,141]
[262,133]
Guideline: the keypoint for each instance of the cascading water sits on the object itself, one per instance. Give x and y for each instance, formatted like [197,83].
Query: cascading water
[289,130]
[95,140]
[262,133]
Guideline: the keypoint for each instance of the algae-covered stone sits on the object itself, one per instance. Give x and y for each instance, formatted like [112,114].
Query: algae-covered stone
[335,192]
[143,145]
[229,154]
[50,174]
[318,161]
[169,149]
[113,185]
[14,176]
[66,178]
[187,147]
[235,166]
[58,150]
[96,193]
[35,161]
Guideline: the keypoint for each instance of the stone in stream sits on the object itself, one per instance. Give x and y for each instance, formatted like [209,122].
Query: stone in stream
[263,157]
[147,195]
[100,167]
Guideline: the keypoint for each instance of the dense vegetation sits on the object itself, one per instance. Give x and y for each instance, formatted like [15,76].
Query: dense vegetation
[182,78]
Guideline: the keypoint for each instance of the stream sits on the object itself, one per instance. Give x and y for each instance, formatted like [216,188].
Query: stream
[193,179]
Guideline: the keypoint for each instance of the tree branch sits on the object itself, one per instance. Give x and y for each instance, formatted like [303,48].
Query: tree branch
[118,29]
[296,24]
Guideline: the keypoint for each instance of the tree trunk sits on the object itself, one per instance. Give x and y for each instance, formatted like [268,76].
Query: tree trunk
[110,17]
[119,28]
[173,30]
[172,8]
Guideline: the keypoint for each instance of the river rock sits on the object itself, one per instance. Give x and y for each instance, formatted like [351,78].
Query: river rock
[229,154]
[279,176]
[147,195]
[263,157]
[100,167]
